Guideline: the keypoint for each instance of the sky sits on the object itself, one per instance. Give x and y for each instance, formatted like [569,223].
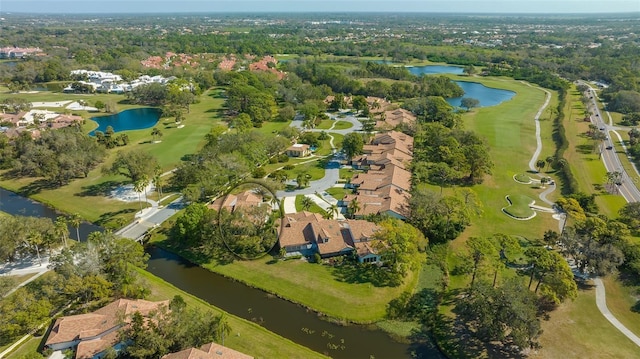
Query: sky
[429,6]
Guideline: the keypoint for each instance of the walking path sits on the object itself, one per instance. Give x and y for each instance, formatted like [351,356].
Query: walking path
[601,300]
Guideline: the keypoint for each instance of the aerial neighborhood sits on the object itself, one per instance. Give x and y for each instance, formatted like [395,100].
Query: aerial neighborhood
[211,185]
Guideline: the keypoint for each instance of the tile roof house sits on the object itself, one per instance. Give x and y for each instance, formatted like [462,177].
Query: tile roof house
[307,233]
[384,188]
[298,150]
[93,333]
[208,351]
[394,118]
[232,202]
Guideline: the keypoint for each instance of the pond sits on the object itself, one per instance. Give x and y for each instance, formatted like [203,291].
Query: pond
[277,315]
[487,96]
[435,69]
[134,119]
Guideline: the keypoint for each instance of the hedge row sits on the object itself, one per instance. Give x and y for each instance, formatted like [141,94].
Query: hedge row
[569,182]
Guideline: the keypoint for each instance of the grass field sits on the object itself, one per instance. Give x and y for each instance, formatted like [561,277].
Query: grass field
[88,194]
[340,293]
[509,128]
[28,347]
[518,206]
[620,301]
[577,330]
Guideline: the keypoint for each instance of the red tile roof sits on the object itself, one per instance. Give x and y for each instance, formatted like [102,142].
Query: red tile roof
[97,328]
[208,351]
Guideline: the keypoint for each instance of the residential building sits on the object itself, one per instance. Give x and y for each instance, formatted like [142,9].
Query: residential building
[232,202]
[18,52]
[298,150]
[92,333]
[208,351]
[306,233]
[384,188]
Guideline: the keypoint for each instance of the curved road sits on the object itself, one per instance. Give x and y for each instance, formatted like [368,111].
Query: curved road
[601,301]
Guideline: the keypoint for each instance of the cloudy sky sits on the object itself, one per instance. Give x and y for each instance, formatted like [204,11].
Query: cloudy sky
[450,6]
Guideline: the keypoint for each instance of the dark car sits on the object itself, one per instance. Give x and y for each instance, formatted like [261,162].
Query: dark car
[609,147]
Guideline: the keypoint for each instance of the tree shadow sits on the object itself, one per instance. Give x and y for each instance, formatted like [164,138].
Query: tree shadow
[37,186]
[100,189]
[114,219]
[585,149]
[361,273]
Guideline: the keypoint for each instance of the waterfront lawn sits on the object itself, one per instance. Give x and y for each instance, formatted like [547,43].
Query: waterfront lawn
[247,337]
[509,129]
[352,299]
[86,196]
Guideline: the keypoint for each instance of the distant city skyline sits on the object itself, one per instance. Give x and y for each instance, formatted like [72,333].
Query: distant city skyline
[330,6]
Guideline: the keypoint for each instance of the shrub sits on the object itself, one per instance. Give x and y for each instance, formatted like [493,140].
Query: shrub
[288,167]
[258,172]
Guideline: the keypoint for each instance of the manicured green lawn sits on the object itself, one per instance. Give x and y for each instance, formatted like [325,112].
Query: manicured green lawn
[509,129]
[337,192]
[519,206]
[585,163]
[314,207]
[577,330]
[28,347]
[86,196]
[312,285]
[620,300]
[311,168]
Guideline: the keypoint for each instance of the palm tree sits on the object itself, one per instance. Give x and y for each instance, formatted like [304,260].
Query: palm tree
[156,133]
[327,214]
[333,210]
[223,328]
[353,207]
[306,203]
[139,186]
[75,221]
[303,180]
[157,181]
[549,161]
[540,164]
[61,229]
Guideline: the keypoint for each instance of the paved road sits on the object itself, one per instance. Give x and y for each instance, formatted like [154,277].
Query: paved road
[627,187]
[601,302]
[150,218]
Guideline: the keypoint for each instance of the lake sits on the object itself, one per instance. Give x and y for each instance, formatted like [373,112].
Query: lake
[134,119]
[487,96]
[435,69]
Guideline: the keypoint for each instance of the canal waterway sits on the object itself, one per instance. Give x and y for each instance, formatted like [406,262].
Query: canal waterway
[21,206]
[287,319]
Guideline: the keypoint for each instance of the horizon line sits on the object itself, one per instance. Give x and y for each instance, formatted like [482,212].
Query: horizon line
[312,12]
